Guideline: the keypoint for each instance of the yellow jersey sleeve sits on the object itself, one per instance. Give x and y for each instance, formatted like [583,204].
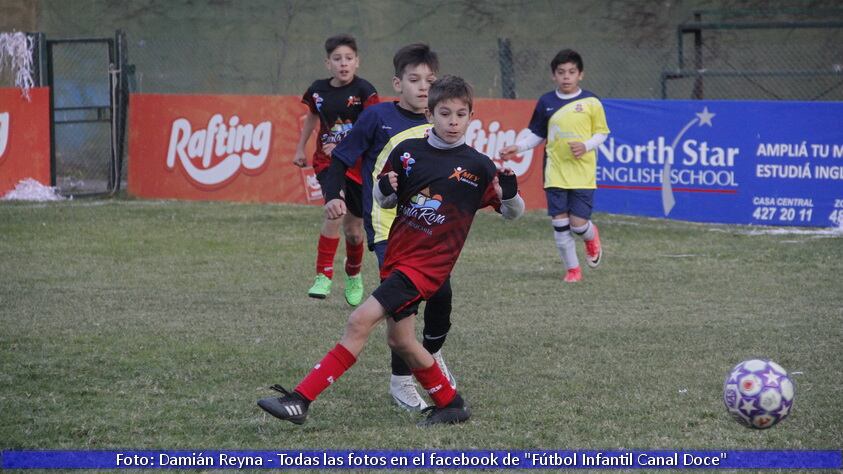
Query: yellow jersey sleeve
[576,121]
[382,218]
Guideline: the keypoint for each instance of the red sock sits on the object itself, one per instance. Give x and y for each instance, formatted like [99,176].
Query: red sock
[326,372]
[436,384]
[325,252]
[354,258]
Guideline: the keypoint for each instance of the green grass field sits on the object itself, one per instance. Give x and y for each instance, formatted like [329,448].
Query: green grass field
[133,324]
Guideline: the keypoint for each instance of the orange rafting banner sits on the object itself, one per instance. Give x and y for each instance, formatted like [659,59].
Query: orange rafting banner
[240,148]
[24,137]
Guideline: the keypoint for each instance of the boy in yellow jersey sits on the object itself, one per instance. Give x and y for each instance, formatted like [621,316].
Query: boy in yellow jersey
[573,123]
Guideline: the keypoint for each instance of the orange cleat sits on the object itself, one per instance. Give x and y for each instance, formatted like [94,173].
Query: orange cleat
[594,250]
[574,275]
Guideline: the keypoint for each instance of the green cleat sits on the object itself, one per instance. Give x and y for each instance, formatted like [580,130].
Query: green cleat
[321,287]
[354,289]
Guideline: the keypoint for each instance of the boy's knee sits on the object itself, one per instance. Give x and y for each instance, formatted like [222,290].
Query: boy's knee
[357,325]
[354,238]
[399,344]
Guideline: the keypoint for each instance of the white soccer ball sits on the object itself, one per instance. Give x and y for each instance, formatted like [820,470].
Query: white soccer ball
[758,393]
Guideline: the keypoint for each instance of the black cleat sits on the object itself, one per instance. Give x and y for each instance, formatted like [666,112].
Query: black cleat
[291,407]
[456,412]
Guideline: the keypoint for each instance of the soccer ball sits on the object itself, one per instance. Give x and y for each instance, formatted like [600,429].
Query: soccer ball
[758,393]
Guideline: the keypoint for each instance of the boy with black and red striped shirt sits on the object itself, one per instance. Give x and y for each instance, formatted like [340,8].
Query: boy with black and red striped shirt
[437,183]
[335,104]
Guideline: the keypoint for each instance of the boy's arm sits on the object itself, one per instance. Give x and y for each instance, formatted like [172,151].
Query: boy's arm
[536,134]
[344,156]
[310,121]
[385,190]
[502,195]
[331,185]
[512,205]
[601,132]
[358,140]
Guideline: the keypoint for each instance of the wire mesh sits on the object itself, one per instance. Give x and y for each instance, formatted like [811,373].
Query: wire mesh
[791,64]
[81,117]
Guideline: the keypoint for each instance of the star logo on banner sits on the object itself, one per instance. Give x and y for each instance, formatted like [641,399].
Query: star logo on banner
[705,117]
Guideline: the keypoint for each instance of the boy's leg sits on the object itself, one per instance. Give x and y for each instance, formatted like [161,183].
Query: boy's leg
[581,203]
[557,208]
[353,230]
[326,249]
[293,406]
[437,323]
[401,384]
[450,407]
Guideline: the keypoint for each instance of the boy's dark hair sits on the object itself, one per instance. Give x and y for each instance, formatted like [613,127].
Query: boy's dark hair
[566,56]
[450,87]
[336,41]
[413,55]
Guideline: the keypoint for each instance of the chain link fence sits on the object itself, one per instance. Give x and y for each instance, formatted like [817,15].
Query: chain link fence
[786,62]
[81,116]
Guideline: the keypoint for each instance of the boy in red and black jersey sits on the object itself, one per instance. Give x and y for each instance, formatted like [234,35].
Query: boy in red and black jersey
[335,103]
[438,184]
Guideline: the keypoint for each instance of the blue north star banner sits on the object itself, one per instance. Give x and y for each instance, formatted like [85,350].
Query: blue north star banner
[371,459]
[771,163]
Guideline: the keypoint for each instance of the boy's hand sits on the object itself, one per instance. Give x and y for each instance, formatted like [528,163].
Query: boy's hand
[577,148]
[328,148]
[507,152]
[299,159]
[334,209]
[393,180]
[506,184]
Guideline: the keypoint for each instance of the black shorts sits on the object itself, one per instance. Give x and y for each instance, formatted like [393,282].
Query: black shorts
[398,296]
[352,193]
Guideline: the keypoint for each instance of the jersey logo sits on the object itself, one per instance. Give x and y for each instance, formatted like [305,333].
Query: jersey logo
[352,101]
[465,176]
[421,213]
[578,108]
[424,200]
[407,163]
[317,101]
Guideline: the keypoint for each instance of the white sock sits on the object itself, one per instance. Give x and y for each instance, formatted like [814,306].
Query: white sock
[565,242]
[586,232]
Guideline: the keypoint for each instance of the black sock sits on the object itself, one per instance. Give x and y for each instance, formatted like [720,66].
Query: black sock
[399,367]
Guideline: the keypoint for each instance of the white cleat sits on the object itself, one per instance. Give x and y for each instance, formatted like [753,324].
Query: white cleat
[403,391]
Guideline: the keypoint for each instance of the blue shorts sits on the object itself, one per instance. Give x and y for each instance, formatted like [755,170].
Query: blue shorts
[380,252]
[578,202]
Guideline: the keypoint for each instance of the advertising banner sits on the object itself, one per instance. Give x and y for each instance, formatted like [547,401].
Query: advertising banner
[771,163]
[24,137]
[240,148]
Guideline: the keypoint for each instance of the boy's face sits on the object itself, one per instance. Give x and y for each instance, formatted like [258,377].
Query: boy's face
[413,86]
[567,77]
[342,63]
[450,119]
